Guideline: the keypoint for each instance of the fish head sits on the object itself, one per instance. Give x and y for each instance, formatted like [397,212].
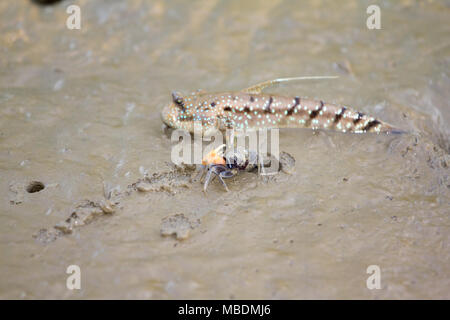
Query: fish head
[176,114]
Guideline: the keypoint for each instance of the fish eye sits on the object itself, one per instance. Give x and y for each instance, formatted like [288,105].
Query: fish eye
[178,100]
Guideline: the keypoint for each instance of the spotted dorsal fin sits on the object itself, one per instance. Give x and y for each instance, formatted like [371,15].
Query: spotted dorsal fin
[258,88]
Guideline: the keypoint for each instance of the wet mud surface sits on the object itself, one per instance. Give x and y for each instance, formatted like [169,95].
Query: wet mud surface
[84,178]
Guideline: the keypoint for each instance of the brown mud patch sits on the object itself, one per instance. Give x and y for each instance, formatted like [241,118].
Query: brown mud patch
[178,225]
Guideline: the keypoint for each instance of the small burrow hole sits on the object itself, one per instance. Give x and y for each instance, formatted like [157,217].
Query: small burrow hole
[35,186]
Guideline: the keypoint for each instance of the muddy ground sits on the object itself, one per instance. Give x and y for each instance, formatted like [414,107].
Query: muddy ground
[81,140]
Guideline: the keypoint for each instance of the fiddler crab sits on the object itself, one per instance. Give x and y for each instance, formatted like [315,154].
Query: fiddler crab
[226,165]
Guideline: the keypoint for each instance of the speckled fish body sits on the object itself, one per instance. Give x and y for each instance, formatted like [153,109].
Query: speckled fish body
[243,110]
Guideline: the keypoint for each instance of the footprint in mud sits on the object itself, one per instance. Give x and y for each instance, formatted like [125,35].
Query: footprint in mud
[18,192]
[83,214]
[178,225]
[178,177]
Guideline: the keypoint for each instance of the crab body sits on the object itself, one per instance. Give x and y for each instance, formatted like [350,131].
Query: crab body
[227,165]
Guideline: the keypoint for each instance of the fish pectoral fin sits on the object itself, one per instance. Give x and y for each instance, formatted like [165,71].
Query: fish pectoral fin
[258,88]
